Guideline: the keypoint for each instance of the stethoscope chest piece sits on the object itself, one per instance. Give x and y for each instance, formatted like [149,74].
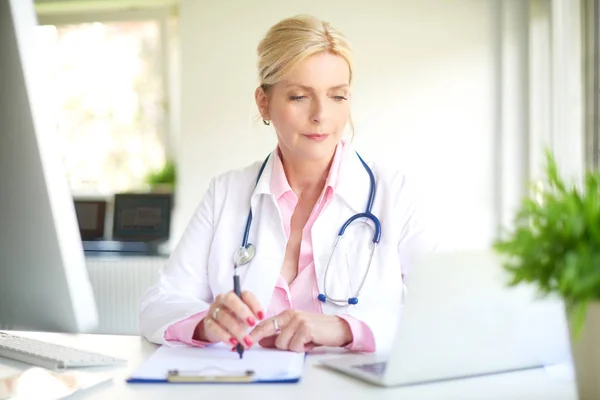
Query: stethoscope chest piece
[244,254]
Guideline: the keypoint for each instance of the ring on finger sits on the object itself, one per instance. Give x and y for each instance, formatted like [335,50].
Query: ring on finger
[276,326]
[215,312]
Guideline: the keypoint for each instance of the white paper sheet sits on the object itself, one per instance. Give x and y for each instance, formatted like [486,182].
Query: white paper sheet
[267,364]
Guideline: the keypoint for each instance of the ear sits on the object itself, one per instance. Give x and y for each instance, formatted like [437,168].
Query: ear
[262,102]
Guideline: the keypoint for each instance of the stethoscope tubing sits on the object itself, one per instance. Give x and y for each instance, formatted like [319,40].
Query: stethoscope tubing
[368,214]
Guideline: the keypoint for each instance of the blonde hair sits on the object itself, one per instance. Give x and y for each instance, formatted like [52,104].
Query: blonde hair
[294,39]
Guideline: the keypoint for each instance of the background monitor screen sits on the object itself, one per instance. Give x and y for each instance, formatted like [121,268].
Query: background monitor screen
[142,217]
[90,217]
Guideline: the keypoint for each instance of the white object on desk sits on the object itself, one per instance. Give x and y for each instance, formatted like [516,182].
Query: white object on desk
[268,365]
[40,384]
[50,355]
[460,320]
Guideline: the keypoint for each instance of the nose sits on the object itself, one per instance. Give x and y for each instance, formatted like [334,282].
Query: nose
[317,113]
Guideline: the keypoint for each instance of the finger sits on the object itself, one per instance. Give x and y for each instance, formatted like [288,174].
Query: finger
[267,327]
[252,302]
[282,340]
[239,308]
[234,328]
[268,342]
[216,333]
[300,339]
[208,334]
[219,331]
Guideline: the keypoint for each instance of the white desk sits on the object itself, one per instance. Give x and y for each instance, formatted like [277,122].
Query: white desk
[317,382]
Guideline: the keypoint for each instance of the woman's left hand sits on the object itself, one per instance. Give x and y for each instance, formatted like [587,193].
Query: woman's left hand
[300,331]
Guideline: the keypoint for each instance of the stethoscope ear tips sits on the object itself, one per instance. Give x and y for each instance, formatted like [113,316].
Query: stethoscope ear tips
[322,298]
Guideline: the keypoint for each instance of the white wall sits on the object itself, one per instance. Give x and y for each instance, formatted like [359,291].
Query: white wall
[426,97]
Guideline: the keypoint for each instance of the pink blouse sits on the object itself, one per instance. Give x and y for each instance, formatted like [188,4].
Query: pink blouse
[302,293]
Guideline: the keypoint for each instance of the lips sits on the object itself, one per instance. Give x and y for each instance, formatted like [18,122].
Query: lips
[316,137]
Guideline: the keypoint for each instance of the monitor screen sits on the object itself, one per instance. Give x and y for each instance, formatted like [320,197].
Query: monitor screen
[90,217]
[142,217]
[44,281]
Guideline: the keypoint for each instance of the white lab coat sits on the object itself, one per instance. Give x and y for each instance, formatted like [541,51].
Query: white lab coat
[201,265]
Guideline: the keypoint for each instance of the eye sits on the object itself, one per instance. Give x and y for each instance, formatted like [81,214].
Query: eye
[297,98]
[339,98]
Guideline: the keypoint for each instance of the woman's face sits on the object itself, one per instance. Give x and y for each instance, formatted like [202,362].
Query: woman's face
[309,108]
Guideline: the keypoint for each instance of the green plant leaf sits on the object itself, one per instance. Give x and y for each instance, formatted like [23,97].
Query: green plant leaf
[554,240]
[166,175]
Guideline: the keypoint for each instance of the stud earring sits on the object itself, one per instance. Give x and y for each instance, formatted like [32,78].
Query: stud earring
[266,122]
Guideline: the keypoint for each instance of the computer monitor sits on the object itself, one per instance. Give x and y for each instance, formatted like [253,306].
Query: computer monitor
[142,217]
[91,215]
[44,283]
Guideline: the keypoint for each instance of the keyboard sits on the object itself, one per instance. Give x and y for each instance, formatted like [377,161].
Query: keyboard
[377,368]
[49,355]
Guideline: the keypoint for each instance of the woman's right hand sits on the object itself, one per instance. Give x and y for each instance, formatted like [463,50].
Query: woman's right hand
[229,318]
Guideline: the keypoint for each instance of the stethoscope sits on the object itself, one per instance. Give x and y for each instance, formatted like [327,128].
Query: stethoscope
[245,253]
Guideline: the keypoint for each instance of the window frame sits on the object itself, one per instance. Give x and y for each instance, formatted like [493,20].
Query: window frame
[591,53]
[557,96]
[551,111]
[166,17]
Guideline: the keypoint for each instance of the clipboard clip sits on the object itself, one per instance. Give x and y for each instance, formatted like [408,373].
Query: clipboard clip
[203,376]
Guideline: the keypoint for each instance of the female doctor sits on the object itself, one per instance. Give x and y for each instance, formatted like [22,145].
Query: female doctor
[277,223]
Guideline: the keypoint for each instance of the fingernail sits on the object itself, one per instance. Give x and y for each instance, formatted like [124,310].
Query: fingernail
[248,341]
[251,321]
[233,348]
[233,341]
[260,314]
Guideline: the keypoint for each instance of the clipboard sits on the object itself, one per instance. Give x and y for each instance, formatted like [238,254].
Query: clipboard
[176,376]
[218,365]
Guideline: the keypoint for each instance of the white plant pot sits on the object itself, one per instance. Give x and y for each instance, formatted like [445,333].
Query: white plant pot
[586,355]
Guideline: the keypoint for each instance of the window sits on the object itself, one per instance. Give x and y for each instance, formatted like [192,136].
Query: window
[110,101]
[591,56]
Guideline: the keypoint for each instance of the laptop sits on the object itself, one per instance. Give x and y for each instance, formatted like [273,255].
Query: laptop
[460,319]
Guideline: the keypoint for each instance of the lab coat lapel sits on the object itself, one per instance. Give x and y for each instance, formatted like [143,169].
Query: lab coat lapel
[353,187]
[268,237]
[263,186]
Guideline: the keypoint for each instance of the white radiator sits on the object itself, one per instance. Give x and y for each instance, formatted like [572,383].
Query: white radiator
[119,284]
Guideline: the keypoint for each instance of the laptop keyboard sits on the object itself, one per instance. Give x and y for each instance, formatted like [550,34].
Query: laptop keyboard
[375,368]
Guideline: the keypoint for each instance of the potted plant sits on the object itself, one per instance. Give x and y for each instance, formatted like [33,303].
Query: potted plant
[163,180]
[555,244]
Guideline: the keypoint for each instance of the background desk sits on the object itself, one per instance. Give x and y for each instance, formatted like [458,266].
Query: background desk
[317,382]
